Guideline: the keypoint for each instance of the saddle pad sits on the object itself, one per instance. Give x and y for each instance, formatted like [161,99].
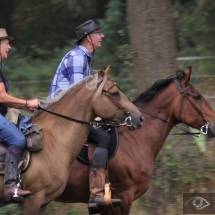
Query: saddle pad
[83,155]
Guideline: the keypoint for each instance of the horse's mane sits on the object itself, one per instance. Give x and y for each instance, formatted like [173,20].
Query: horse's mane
[91,83]
[158,85]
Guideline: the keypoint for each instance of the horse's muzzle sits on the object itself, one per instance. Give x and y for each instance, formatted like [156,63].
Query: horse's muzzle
[136,125]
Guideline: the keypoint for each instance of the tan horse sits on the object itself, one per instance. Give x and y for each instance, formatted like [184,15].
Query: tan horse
[49,170]
[131,169]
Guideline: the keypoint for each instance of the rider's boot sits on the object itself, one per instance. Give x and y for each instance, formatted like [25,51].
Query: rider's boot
[97,194]
[11,191]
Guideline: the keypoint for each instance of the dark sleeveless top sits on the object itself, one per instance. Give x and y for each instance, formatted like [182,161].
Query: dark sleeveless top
[3,107]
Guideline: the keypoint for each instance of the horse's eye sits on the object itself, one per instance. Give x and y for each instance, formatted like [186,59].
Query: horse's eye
[114,94]
[197,98]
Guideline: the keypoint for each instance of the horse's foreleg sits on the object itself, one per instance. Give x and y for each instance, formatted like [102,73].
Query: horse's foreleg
[32,205]
[43,210]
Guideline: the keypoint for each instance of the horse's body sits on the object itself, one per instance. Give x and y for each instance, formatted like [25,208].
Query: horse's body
[48,173]
[131,169]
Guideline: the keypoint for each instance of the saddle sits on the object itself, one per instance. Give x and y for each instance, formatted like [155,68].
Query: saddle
[33,139]
[86,153]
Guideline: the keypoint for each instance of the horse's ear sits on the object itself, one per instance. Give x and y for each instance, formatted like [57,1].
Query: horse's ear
[101,68]
[186,78]
[107,70]
[101,71]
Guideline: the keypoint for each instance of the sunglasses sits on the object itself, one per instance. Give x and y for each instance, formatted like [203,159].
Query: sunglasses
[97,32]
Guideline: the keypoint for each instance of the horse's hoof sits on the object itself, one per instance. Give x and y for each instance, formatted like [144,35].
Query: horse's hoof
[94,211]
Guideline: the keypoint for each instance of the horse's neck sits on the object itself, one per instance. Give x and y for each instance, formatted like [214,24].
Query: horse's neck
[63,136]
[155,131]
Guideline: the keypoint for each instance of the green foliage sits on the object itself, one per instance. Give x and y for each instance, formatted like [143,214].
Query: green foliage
[42,26]
[184,165]
[27,76]
[31,67]
[179,166]
[76,212]
[12,209]
[195,33]
[116,50]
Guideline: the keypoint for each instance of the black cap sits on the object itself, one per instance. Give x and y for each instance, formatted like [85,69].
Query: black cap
[85,29]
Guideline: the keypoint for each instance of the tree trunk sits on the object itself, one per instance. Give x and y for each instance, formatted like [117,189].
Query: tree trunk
[151,27]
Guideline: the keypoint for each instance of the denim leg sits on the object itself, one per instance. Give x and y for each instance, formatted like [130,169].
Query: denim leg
[10,134]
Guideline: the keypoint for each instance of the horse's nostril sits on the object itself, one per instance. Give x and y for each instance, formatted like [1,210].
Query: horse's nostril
[141,119]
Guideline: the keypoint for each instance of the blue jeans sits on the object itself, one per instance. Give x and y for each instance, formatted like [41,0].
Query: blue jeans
[10,134]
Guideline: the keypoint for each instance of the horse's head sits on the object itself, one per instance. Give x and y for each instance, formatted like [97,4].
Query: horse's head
[113,104]
[192,108]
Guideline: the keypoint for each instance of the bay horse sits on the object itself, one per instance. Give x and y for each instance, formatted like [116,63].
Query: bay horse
[48,173]
[172,100]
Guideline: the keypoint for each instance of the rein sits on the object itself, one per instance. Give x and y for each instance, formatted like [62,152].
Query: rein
[127,121]
[182,91]
[163,120]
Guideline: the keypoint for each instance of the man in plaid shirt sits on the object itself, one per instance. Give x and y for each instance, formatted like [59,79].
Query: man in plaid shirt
[75,66]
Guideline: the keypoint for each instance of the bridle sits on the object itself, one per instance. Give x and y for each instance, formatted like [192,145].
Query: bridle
[127,121]
[203,129]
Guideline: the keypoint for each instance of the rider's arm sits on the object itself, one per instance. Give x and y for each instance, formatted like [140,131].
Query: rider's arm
[14,102]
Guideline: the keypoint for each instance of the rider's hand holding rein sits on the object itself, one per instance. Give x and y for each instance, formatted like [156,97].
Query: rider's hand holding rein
[14,102]
[31,105]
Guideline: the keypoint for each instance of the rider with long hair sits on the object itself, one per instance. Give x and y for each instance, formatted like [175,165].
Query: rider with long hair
[9,133]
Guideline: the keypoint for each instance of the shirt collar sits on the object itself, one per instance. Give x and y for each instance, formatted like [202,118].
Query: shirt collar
[85,50]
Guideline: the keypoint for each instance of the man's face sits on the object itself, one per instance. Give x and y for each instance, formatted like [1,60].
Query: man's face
[97,37]
[4,48]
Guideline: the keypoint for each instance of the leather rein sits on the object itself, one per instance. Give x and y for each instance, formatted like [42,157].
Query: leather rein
[127,121]
[203,129]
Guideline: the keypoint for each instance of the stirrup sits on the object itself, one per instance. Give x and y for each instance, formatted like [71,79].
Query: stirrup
[107,195]
[16,197]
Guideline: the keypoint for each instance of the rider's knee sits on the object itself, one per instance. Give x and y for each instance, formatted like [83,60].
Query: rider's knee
[21,141]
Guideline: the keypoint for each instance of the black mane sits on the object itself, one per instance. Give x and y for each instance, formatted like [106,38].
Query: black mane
[158,85]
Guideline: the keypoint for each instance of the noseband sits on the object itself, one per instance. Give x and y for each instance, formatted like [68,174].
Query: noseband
[204,128]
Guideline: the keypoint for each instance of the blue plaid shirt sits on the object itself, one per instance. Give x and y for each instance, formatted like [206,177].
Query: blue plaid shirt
[75,66]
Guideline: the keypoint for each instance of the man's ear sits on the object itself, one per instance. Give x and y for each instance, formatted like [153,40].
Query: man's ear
[89,38]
